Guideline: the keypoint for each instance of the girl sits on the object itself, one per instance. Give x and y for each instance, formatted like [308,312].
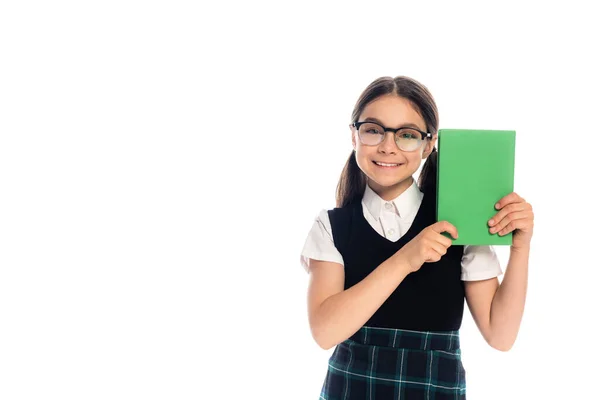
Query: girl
[386,287]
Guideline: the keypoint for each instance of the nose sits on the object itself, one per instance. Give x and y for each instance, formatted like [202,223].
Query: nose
[388,145]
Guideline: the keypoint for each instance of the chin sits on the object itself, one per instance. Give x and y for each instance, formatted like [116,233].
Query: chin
[386,182]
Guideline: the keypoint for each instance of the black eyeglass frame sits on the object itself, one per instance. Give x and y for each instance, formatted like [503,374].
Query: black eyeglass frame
[424,135]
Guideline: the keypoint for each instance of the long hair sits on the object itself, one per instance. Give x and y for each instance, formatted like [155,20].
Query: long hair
[351,185]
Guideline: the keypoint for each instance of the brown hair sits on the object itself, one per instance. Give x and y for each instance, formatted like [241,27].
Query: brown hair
[352,181]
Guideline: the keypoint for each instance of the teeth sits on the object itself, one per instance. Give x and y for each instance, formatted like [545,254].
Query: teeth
[386,165]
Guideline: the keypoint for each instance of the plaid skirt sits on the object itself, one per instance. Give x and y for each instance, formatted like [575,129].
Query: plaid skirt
[382,363]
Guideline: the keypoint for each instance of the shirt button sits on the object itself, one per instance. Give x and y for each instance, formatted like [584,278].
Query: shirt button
[388,206]
[391,232]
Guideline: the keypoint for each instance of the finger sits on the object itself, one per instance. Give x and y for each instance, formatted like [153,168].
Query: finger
[510,217]
[522,224]
[509,198]
[519,224]
[438,247]
[514,207]
[441,239]
[508,223]
[433,255]
[445,226]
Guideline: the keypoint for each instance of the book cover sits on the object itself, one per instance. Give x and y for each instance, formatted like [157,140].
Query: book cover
[475,170]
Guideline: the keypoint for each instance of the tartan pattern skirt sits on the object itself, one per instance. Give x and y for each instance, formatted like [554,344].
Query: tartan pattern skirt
[383,363]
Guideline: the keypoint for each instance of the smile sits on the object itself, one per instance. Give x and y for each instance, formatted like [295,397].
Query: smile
[381,164]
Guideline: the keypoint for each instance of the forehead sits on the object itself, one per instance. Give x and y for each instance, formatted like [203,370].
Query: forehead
[392,111]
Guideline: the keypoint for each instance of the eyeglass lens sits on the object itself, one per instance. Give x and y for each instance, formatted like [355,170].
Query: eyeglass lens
[407,139]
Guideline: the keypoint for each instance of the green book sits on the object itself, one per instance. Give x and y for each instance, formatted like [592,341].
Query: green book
[475,170]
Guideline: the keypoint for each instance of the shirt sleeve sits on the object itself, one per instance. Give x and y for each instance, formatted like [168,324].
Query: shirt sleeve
[319,243]
[480,263]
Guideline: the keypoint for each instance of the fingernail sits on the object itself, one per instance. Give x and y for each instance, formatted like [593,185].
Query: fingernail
[497,205]
[491,222]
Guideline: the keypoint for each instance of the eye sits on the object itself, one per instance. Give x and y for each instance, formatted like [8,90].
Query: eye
[371,129]
[409,134]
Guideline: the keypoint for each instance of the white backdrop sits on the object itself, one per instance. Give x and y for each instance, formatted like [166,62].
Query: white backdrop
[161,164]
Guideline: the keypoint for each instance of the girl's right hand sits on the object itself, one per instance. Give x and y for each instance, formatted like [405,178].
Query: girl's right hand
[428,246]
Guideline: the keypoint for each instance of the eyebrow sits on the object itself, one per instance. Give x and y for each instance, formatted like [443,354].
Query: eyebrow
[407,125]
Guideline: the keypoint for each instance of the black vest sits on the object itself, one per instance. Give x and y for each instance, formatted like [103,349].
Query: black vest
[431,299]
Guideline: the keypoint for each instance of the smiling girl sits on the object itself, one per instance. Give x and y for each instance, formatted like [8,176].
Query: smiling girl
[386,288]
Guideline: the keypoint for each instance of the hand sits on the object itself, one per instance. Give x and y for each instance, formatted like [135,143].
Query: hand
[515,215]
[428,246]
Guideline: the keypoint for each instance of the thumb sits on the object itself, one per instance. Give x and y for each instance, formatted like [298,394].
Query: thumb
[445,226]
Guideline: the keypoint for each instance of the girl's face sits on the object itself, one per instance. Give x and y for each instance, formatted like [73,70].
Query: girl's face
[390,111]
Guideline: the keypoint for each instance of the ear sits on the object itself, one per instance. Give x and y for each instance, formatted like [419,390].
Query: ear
[430,144]
[353,138]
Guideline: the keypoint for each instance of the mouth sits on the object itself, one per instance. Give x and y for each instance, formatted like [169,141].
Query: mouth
[387,165]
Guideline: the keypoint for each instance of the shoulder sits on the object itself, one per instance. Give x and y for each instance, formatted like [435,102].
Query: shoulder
[480,263]
[322,219]
[322,224]
[343,212]
[471,251]
[319,244]
[332,220]
[335,216]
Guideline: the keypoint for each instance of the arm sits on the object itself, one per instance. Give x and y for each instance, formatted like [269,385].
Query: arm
[498,309]
[336,314]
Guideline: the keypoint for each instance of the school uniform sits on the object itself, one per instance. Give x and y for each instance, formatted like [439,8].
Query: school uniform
[410,347]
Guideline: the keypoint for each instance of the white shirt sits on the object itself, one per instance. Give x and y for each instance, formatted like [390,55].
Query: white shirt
[391,219]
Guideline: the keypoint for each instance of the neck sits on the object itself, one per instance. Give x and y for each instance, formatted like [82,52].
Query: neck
[389,193]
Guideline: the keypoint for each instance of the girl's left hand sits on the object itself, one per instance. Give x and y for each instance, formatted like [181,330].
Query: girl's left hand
[515,215]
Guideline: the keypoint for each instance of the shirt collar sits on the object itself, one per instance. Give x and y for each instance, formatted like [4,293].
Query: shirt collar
[406,204]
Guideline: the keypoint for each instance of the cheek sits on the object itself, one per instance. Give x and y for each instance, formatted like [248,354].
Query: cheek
[363,156]
[415,157]
[414,160]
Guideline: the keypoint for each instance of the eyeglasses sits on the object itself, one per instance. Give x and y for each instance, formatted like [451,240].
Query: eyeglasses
[407,139]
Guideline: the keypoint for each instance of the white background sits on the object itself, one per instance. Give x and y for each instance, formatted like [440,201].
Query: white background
[161,164]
